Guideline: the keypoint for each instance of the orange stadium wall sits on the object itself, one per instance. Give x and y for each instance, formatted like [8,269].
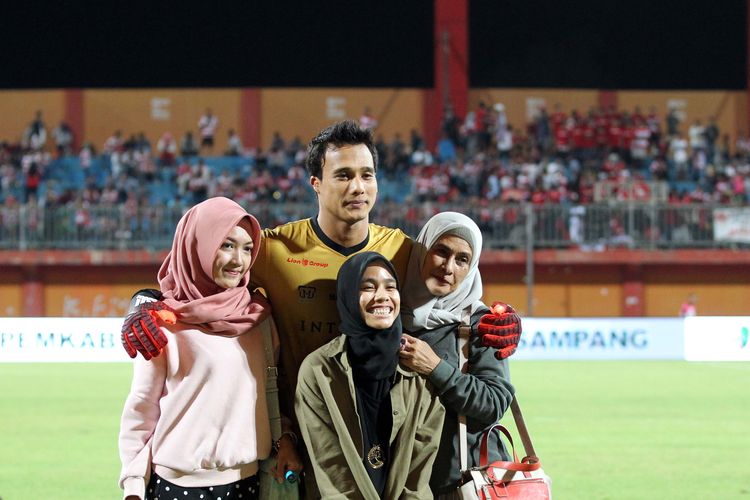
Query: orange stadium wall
[558,292]
[256,113]
[253,113]
[18,108]
[304,112]
[722,291]
[94,291]
[155,111]
[603,290]
[560,289]
[11,288]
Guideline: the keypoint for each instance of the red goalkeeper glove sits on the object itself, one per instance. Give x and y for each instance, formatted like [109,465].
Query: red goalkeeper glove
[501,329]
[140,330]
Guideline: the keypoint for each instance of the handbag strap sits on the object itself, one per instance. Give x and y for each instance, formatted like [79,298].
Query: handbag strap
[523,432]
[464,332]
[272,386]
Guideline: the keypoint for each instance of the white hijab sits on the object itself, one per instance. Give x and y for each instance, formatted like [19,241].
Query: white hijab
[419,308]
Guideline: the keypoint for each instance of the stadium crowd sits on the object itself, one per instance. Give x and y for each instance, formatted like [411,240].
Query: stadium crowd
[560,157]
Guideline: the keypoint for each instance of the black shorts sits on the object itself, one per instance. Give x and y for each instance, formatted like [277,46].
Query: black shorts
[207,141]
[246,489]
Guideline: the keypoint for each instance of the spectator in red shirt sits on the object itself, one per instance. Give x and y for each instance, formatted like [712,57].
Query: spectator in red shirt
[562,140]
[614,137]
[558,118]
[166,146]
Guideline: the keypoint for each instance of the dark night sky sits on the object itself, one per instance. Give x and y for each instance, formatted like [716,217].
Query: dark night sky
[609,44]
[388,43]
[134,43]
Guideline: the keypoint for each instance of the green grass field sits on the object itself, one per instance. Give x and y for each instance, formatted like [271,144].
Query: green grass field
[604,430]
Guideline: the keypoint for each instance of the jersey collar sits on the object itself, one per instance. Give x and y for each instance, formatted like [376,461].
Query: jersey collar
[347,251]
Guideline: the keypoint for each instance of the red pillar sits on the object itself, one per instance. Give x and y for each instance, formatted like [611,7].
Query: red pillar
[32,291]
[74,115]
[451,57]
[633,299]
[249,126]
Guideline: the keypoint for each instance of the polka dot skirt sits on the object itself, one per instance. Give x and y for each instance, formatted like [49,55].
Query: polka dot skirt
[161,489]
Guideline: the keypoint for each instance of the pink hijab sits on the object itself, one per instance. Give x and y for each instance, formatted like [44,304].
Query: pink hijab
[186,277]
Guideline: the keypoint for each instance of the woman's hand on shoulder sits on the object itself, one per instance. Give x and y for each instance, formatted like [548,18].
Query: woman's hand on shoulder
[417,355]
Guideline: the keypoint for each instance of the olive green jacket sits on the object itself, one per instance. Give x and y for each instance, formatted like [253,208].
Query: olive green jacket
[329,422]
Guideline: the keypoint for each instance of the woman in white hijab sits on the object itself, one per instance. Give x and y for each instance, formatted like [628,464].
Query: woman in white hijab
[442,286]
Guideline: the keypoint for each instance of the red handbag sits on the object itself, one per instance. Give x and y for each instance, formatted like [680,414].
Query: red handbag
[519,479]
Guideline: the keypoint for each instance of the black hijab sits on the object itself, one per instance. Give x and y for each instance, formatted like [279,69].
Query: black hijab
[373,353]
[374,356]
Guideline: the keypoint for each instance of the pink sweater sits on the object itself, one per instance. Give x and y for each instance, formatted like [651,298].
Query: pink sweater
[197,413]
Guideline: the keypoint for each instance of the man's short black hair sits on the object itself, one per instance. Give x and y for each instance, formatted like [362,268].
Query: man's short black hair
[343,133]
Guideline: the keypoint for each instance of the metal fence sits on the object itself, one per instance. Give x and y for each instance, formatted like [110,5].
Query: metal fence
[509,226]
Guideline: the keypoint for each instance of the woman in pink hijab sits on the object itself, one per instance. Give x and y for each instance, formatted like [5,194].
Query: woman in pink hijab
[196,424]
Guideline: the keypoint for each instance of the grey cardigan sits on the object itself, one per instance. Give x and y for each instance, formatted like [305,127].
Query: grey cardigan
[483,394]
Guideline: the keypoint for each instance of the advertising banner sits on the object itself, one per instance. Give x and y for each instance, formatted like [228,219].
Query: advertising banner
[717,338]
[98,339]
[61,339]
[732,224]
[601,338]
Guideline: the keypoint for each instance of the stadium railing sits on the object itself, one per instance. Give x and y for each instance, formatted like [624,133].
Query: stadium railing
[504,226]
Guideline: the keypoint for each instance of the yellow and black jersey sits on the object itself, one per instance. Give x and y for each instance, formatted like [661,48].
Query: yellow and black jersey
[297,267]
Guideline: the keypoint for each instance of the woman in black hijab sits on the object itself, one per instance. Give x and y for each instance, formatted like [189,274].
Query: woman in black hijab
[371,428]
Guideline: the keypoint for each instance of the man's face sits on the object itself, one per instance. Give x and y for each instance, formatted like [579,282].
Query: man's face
[348,188]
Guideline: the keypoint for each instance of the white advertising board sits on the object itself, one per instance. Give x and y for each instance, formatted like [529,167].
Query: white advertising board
[717,338]
[601,338]
[98,339]
[732,224]
[61,340]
